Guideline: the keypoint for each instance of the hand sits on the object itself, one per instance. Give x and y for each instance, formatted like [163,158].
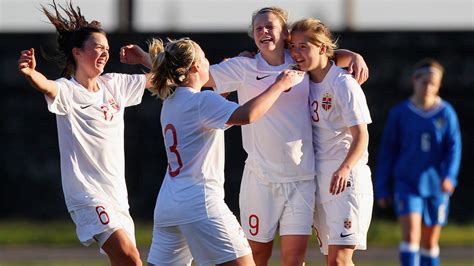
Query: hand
[290,78]
[247,54]
[447,186]
[132,54]
[358,68]
[27,62]
[384,202]
[339,180]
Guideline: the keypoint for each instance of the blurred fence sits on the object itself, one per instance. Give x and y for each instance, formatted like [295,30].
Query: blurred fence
[29,163]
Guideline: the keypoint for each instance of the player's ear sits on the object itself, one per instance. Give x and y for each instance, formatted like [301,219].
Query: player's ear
[323,49]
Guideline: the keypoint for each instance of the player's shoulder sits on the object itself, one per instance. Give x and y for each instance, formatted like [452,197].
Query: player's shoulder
[340,76]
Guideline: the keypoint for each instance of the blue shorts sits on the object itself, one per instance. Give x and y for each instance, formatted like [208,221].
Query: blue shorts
[434,210]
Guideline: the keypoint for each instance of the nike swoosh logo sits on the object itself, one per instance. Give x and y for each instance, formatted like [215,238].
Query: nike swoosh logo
[262,77]
[342,235]
[85,106]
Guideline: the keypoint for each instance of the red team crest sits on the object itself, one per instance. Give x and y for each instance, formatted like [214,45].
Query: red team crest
[326,102]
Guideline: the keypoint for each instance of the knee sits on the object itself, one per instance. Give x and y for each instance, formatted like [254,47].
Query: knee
[293,261]
[127,257]
[339,261]
[262,256]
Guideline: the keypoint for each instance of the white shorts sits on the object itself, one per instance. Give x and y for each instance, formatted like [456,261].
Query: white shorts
[209,241]
[266,206]
[344,221]
[98,223]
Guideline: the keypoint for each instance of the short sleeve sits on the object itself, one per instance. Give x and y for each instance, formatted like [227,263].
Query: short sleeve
[60,104]
[228,75]
[131,87]
[215,110]
[353,103]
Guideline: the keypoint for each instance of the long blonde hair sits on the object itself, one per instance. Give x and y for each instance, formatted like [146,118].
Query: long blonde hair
[319,34]
[171,64]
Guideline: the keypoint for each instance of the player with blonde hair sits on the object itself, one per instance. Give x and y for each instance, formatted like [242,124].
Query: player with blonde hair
[344,196]
[191,218]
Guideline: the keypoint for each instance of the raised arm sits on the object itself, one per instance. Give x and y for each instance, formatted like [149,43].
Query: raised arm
[258,106]
[354,62]
[132,54]
[360,140]
[27,66]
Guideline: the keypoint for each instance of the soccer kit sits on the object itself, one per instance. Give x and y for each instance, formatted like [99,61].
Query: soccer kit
[419,149]
[277,189]
[339,103]
[91,143]
[191,219]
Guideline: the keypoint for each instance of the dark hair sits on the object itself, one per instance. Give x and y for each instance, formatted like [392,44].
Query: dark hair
[73,30]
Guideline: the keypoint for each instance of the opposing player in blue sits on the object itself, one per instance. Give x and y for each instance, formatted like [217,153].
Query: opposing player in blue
[418,164]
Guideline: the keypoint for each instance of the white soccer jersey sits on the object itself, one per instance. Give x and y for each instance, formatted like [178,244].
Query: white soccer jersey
[338,103]
[193,187]
[91,138]
[279,144]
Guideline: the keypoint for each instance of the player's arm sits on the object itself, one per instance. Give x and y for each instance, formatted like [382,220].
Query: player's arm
[354,63]
[27,66]
[452,154]
[359,144]
[258,106]
[132,54]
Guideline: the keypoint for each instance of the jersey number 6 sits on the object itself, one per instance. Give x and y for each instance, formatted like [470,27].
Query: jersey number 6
[174,150]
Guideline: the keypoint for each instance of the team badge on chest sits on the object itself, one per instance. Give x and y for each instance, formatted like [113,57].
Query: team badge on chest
[326,102]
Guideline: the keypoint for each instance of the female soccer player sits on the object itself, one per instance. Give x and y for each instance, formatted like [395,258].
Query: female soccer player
[344,196]
[418,164]
[277,190]
[191,218]
[89,110]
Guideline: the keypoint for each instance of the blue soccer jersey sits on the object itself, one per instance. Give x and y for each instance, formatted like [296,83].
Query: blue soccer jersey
[418,150]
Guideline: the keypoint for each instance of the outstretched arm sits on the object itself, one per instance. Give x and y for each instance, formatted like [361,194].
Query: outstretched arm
[27,65]
[258,106]
[354,62]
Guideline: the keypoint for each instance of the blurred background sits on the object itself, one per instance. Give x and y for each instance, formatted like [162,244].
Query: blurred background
[390,34]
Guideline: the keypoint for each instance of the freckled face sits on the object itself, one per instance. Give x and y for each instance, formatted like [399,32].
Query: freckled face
[307,55]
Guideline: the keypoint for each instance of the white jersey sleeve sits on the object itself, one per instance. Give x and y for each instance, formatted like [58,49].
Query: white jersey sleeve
[131,87]
[60,104]
[215,110]
[354,111]
[228,75]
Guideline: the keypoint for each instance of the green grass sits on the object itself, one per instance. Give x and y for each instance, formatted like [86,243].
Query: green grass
[62,233]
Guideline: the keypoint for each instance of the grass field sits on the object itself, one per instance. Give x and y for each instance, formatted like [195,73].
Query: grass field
[383,235]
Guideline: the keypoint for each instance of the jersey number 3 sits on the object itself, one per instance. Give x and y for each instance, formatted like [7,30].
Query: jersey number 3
[174,150]
[315,115]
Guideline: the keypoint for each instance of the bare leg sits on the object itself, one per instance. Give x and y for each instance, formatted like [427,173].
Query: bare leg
[261,252]
[340,255]
[293,249]
[121,250]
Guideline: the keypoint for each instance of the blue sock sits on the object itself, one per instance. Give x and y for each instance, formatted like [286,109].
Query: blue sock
[429,257]
[409,254]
